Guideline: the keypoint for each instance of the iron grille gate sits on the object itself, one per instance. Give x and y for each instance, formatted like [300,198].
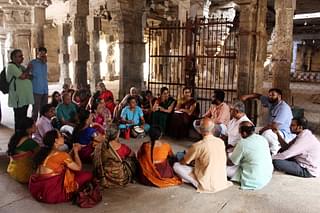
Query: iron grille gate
[200,54]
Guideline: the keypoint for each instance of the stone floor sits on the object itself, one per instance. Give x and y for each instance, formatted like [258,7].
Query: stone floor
[283,194]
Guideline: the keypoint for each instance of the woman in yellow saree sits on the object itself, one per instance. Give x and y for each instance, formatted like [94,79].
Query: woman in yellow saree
[21,149]
[153,159]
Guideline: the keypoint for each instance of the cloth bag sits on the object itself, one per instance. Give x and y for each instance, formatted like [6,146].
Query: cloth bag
[89,196]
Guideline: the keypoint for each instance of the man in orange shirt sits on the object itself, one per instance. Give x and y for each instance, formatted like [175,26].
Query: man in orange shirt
[219,112]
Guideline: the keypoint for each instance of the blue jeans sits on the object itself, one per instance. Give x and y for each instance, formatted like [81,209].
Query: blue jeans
[291,167]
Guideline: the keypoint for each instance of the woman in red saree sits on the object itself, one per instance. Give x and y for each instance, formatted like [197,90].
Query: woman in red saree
[58,174]
[107,96]
[153,159]
[185,113]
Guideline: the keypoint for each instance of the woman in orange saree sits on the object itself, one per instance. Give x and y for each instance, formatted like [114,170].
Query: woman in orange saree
[21,149]
[58,174]
[153,159]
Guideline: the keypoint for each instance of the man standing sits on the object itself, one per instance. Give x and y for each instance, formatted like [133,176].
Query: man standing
[280,116]
[209,171]
[20,89]
[39,81]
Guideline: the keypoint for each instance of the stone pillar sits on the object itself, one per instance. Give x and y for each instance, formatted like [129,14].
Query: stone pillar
[3,60]
[132,51]
[64,33]
[94,27]
[184,7]
[21,40]
[282,46]
[252,50]
[294,56]
[206,8]
[79,10]
[37,36]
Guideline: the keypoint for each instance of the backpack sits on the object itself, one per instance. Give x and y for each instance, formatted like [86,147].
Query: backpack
[4,84]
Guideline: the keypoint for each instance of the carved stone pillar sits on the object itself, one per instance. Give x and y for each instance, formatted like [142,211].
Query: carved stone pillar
[252,50]
[64,33]
[37,36]
[79,10]
[282,46]
[184,7]
[94,27]
[21,40]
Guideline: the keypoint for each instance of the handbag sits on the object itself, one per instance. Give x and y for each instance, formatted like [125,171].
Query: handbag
[89,196]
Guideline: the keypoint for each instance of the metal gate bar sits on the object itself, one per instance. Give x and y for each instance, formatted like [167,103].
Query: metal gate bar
[200,54]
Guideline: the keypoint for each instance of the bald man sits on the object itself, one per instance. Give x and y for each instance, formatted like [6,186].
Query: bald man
[250,163]
[66,111]
[209,171]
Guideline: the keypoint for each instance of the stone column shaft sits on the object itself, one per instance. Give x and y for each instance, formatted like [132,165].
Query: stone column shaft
[94,26]
[64,33]
[79,10]
[37,35]
[132,52]
[252,50]
[282,46]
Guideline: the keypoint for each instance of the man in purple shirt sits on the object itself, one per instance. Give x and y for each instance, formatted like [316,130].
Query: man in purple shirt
[301,156]
[44,123]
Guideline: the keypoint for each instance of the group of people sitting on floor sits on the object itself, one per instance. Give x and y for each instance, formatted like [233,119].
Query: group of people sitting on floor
[48,154]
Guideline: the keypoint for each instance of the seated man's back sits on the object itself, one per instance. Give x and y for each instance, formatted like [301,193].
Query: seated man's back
[253,157]
[210,164]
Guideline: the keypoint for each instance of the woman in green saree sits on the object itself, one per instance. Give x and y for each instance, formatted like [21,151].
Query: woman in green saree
[162,108]
[115,163]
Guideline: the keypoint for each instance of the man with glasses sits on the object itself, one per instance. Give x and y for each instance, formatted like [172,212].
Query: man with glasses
[219,112]
[20,89]
[39,73]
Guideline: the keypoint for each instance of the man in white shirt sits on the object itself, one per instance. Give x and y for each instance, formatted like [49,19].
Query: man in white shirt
[232,136]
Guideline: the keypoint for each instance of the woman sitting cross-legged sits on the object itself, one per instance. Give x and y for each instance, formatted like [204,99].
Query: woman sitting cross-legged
[162,108]
[86,136]
[115,163]
[58,174]
[21,149]
[101,115]
[185,113]
[153,158]
[132,116]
